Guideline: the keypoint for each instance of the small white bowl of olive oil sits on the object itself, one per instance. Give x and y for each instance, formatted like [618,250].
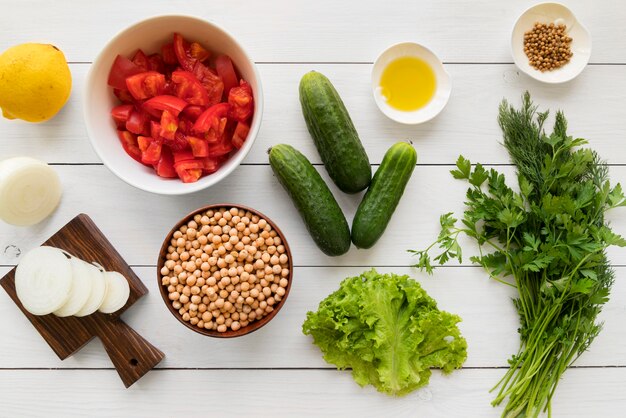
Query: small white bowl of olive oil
[410,84]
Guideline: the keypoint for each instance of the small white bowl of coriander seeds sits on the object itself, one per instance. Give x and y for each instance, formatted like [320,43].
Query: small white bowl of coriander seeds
[549,44]
[224,270]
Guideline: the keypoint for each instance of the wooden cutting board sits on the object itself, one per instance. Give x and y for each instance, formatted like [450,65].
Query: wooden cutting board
[131,355]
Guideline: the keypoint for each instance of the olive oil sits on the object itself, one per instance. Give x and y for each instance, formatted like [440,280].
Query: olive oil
[408,83]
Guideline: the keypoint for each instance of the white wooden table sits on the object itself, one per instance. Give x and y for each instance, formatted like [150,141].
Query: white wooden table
[277,371]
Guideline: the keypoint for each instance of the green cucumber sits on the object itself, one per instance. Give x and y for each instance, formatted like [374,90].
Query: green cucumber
[311,196]
[383,195]
[334,134]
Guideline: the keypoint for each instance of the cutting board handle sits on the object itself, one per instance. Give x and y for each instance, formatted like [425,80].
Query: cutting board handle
[130,353]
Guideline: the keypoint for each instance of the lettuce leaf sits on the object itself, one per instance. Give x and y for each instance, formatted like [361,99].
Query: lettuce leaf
[388,330]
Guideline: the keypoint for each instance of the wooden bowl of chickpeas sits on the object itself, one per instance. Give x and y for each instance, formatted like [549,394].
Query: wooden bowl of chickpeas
[224,270]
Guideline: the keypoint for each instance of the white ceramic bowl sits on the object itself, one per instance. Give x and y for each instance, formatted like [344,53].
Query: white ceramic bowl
[149,35]
[442,91]
[558,14]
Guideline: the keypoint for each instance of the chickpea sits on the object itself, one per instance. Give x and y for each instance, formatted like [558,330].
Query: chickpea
[221,328]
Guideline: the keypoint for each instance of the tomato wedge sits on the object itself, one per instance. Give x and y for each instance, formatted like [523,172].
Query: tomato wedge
[210,165]
[146,84]
[198,52]
[150,150]
[241,102]
[121,114]
[129,143]
[212,122]
[192,112]
[169,56]
[240,135]
[137,123]
[156,105]
[183,54]
[123,95]
[189,89]
[155,63]
[211,82]
[220,149]
[121,69]
[226,71]
[199,147]
[169,125]
[183,155]
[141,60]
[189,171]
[165,166]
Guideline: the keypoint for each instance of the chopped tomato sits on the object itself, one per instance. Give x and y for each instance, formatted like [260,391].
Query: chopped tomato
[189,171]
[180,113]
[169,57]
[220,149]
[179,143]
[183,53]
[188,88]
[141,60]
[211,82]
[155,129]
[150,150]
[121,69]
[198,52]
[123,95]
[155,63]
[199,147]
[212,122]
[183,155]
[137,123]
[241,102]
[156,105]
[129,143]
[240,135]
[169,125]
[226,71]
[121,114]
[145,85]
[165,166]
[192,112]
[210,165]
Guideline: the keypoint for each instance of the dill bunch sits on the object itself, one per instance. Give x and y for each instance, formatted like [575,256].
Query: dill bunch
[548,240]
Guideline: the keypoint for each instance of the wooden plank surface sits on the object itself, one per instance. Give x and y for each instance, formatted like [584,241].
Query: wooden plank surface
[594,105]
[324,30]
[136,222]
[282,393]
[489,325]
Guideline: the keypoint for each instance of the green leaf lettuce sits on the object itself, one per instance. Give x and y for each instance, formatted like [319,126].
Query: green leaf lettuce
[388,330]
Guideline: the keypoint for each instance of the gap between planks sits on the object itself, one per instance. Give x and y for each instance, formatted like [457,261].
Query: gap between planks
[371,63]
[332,369]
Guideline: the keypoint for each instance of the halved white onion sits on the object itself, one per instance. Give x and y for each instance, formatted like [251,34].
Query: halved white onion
[98,291]
[82,283]
[43,280]
[30,190]
[118,291]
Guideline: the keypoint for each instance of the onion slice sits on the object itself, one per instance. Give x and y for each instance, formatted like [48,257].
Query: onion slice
[30,190]
[82,285]
[98,290]
[118,291]
[43,280]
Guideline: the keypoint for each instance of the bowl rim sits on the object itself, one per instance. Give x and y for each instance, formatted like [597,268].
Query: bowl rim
[186,188]
[441,67]
[251,327]
[535,74]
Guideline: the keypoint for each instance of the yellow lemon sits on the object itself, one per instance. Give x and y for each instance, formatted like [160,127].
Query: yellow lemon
[35,82]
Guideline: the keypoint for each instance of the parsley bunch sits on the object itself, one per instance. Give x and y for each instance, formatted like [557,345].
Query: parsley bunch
[548,240]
